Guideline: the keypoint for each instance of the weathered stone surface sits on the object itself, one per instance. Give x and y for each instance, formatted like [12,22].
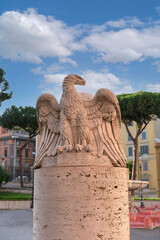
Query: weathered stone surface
[77,202]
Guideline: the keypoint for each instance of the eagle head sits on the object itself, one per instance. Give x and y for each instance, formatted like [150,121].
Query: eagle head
[73,79]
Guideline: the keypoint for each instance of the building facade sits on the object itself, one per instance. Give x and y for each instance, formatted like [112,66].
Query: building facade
[147,156]
[10,142]
[158,165]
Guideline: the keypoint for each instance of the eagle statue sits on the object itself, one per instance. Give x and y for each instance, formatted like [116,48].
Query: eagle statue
[80,122]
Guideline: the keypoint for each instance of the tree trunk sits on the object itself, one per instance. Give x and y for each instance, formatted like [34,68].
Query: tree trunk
[134,169]
[20,157]
[20,166]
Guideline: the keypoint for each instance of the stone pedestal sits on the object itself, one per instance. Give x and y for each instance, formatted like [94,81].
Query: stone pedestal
[80,198]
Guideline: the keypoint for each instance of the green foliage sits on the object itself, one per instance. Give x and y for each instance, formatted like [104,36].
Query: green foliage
[15,196]
[4,86]
[23,118]
[130,166]
[139,106]
[20,117]
[148,199]
[4,175]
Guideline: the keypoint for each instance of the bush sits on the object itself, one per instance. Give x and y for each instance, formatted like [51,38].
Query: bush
[4,175]
[130,166]
[148,199]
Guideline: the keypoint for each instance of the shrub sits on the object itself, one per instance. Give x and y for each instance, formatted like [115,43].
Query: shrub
[148,199]
[130,166]
[4,175]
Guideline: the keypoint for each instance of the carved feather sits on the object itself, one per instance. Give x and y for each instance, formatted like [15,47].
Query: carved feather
[48,116]
[104,115]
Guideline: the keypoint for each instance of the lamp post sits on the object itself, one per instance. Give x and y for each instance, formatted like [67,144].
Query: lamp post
[32,174]
[141,190]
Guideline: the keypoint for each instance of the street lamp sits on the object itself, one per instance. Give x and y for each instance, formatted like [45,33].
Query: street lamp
[141,190]
[32,171]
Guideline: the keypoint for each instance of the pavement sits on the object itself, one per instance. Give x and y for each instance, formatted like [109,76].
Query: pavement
[18,225]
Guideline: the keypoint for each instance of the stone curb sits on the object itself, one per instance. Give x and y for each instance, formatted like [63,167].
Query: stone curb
[14,204]
[146,202]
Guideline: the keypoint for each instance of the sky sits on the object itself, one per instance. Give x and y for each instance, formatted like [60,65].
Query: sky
[111,44]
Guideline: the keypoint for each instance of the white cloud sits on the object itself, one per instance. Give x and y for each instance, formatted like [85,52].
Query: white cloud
[153,87]
[30,37]
[125,45]
[127,22]
[54,78]
[68,60]
[54,90]
[53,68]
[158,9]
[157,65]
[94,81]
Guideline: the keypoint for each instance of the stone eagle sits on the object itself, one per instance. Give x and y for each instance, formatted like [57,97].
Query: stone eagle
[80,122]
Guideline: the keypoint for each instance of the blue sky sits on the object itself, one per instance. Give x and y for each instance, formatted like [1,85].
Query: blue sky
[112,44]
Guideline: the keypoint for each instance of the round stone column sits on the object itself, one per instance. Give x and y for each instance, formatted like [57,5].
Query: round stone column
[80,197]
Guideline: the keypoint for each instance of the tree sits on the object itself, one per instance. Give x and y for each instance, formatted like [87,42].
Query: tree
[21,118]
[130,166]
[141,107]
[4,175]
[4,86]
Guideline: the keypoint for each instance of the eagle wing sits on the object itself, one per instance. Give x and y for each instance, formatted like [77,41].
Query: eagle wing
[48,116]
[104,118]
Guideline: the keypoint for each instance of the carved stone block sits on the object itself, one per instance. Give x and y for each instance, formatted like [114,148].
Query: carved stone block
[81,202]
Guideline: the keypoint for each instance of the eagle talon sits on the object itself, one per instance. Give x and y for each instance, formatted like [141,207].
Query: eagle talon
[78,147]
[60,149]
[69,148]
[88,148]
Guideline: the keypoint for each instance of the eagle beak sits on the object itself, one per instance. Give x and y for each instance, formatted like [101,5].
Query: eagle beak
[80,81]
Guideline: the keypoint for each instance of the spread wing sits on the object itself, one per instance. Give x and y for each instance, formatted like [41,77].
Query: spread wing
[48,116]
[104,118]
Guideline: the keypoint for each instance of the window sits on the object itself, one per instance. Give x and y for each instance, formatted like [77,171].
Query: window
[17,163]
[5,152]
[145,166]
[5,142]
[146,178]
[5,164]
[130,124]
[130,151]
[27,153]
[144,149]
[128,137]
[26,164]
[26,133]
[18,153]
[144,135]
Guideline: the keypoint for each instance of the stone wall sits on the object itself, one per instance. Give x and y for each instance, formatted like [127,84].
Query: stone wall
[14,204]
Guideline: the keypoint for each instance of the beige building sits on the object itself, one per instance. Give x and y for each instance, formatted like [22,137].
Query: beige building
[148,160]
